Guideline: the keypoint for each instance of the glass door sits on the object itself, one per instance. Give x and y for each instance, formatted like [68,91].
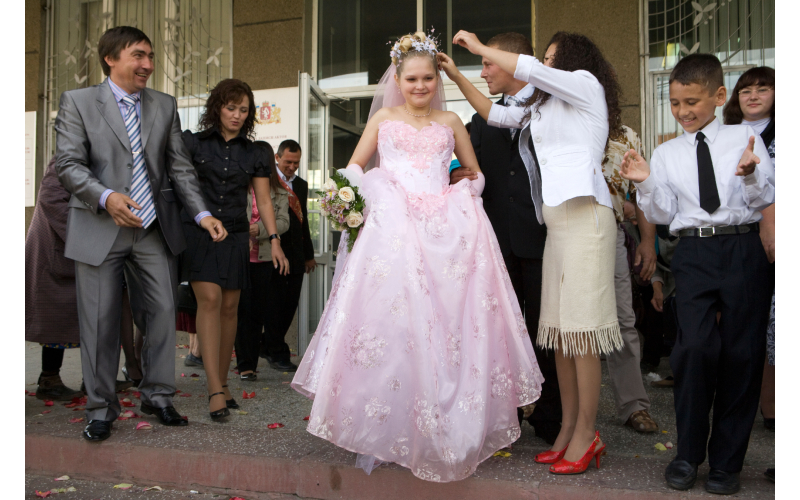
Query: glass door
[314,141]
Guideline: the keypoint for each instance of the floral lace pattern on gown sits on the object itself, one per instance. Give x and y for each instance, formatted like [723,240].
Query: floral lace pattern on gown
[421,356]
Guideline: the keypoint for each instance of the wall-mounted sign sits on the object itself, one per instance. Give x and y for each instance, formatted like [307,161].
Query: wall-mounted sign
[30,157]
[278,115]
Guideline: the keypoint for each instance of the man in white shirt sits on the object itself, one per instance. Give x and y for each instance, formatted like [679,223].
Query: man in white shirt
[709,185]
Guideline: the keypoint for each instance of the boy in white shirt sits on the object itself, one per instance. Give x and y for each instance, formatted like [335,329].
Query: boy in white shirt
[709,185]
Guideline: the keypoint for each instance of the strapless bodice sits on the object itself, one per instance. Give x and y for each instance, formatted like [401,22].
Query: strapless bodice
[418,159]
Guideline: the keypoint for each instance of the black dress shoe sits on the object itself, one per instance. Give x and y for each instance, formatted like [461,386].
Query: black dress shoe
[770,473]
[97,430]
[231,403]
[167,415]
[681,474]
[722,483]
[283,365]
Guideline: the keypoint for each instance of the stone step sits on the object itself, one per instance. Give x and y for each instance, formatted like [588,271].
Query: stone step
[255,464]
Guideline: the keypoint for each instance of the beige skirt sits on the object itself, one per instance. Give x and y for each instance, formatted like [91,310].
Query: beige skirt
[579,308]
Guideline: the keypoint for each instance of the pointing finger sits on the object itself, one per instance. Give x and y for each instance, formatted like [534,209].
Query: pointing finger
[752,143]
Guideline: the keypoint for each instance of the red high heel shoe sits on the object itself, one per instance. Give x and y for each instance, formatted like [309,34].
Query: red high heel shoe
[579,467]
[550,456]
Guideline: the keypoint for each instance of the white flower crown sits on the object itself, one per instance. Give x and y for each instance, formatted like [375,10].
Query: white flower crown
[414,42]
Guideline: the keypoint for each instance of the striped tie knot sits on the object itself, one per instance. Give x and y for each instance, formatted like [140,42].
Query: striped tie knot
[130,100]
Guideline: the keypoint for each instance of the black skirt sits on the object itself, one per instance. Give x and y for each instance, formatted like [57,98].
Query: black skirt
[226,263]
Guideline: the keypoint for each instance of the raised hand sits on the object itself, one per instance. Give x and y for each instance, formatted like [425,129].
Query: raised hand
[747,164]
[467,40]
[634,167]
[447,65]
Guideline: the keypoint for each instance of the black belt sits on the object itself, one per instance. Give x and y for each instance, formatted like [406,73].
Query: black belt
[706,232]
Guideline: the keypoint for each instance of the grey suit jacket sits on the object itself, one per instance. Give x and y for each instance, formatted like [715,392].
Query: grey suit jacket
[93,153]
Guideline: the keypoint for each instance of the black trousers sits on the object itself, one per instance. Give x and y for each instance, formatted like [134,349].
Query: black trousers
[52,360]
[719,366]
[255,310]
[284,297]
[526,278]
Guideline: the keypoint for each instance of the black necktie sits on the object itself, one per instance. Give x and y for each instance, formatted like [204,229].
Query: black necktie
[709,196]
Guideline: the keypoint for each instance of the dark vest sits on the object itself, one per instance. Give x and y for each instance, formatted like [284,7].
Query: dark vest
[507,195]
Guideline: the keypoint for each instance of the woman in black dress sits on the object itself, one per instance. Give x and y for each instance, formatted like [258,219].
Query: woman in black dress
[227,163]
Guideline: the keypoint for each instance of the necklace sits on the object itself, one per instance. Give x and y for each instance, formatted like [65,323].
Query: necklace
[418,116]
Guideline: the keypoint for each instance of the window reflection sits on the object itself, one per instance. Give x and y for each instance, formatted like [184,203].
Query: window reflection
[355,35]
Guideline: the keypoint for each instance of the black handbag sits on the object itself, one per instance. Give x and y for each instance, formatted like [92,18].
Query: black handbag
[187,302]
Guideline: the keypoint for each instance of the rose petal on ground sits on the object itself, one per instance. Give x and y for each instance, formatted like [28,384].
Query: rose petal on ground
[123,486]
[128,414]
[137,394]
[62,478]
[157,488]
[71,405]
[128,404]
[78,408]
[46,411]
[122,418]
[183,374]
[31,394]
[276,425]
[660,447]
[75,420]
[177,391]
[143,425]
[194,375]
[669,445]
[503,454]
[48,403]
[42,494]
[185,395]
[306,417]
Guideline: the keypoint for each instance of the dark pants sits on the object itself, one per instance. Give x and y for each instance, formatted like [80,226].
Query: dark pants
[52,360]
[284,296]
[526,278]
[658,328]
[719,366]
[254,310]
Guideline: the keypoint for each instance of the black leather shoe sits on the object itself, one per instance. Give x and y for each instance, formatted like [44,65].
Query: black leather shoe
[681,474]
[231,403]
[283,365]
[167,415]
[770,474]
[97,430]
[722,483]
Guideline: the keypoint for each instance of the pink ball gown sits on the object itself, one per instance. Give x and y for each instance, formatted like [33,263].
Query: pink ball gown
[421,356]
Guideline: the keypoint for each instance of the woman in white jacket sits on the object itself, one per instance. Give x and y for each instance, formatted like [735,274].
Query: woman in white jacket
[564,128]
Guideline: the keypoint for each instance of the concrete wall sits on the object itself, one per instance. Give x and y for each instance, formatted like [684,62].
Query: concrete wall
[34,55]
[268,42]
[613,26]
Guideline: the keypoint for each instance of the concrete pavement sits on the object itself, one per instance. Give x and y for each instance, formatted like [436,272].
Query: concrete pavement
[243,456]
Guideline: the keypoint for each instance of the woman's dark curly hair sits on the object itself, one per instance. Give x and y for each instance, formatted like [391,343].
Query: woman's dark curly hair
[576,52]
[762,76]
[229,90]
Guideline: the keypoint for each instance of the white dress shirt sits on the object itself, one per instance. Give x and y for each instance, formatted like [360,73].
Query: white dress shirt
[287,181]
[671,194]
[569,133]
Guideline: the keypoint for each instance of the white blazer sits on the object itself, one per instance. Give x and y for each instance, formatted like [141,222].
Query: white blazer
[569,133]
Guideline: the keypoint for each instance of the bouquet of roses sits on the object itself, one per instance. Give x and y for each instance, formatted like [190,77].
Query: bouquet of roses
[343,206]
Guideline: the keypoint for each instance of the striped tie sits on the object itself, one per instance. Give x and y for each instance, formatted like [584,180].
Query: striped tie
[140,185]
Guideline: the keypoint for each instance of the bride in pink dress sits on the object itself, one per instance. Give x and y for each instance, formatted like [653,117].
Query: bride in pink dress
[421,356]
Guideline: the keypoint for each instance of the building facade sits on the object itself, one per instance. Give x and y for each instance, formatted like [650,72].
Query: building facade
[325,57]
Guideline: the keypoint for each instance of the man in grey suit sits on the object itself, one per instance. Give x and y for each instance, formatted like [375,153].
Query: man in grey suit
[119,152]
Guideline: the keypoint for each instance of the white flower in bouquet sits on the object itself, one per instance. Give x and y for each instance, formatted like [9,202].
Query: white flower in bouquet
[354,219]
[346,194]
[329,185]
